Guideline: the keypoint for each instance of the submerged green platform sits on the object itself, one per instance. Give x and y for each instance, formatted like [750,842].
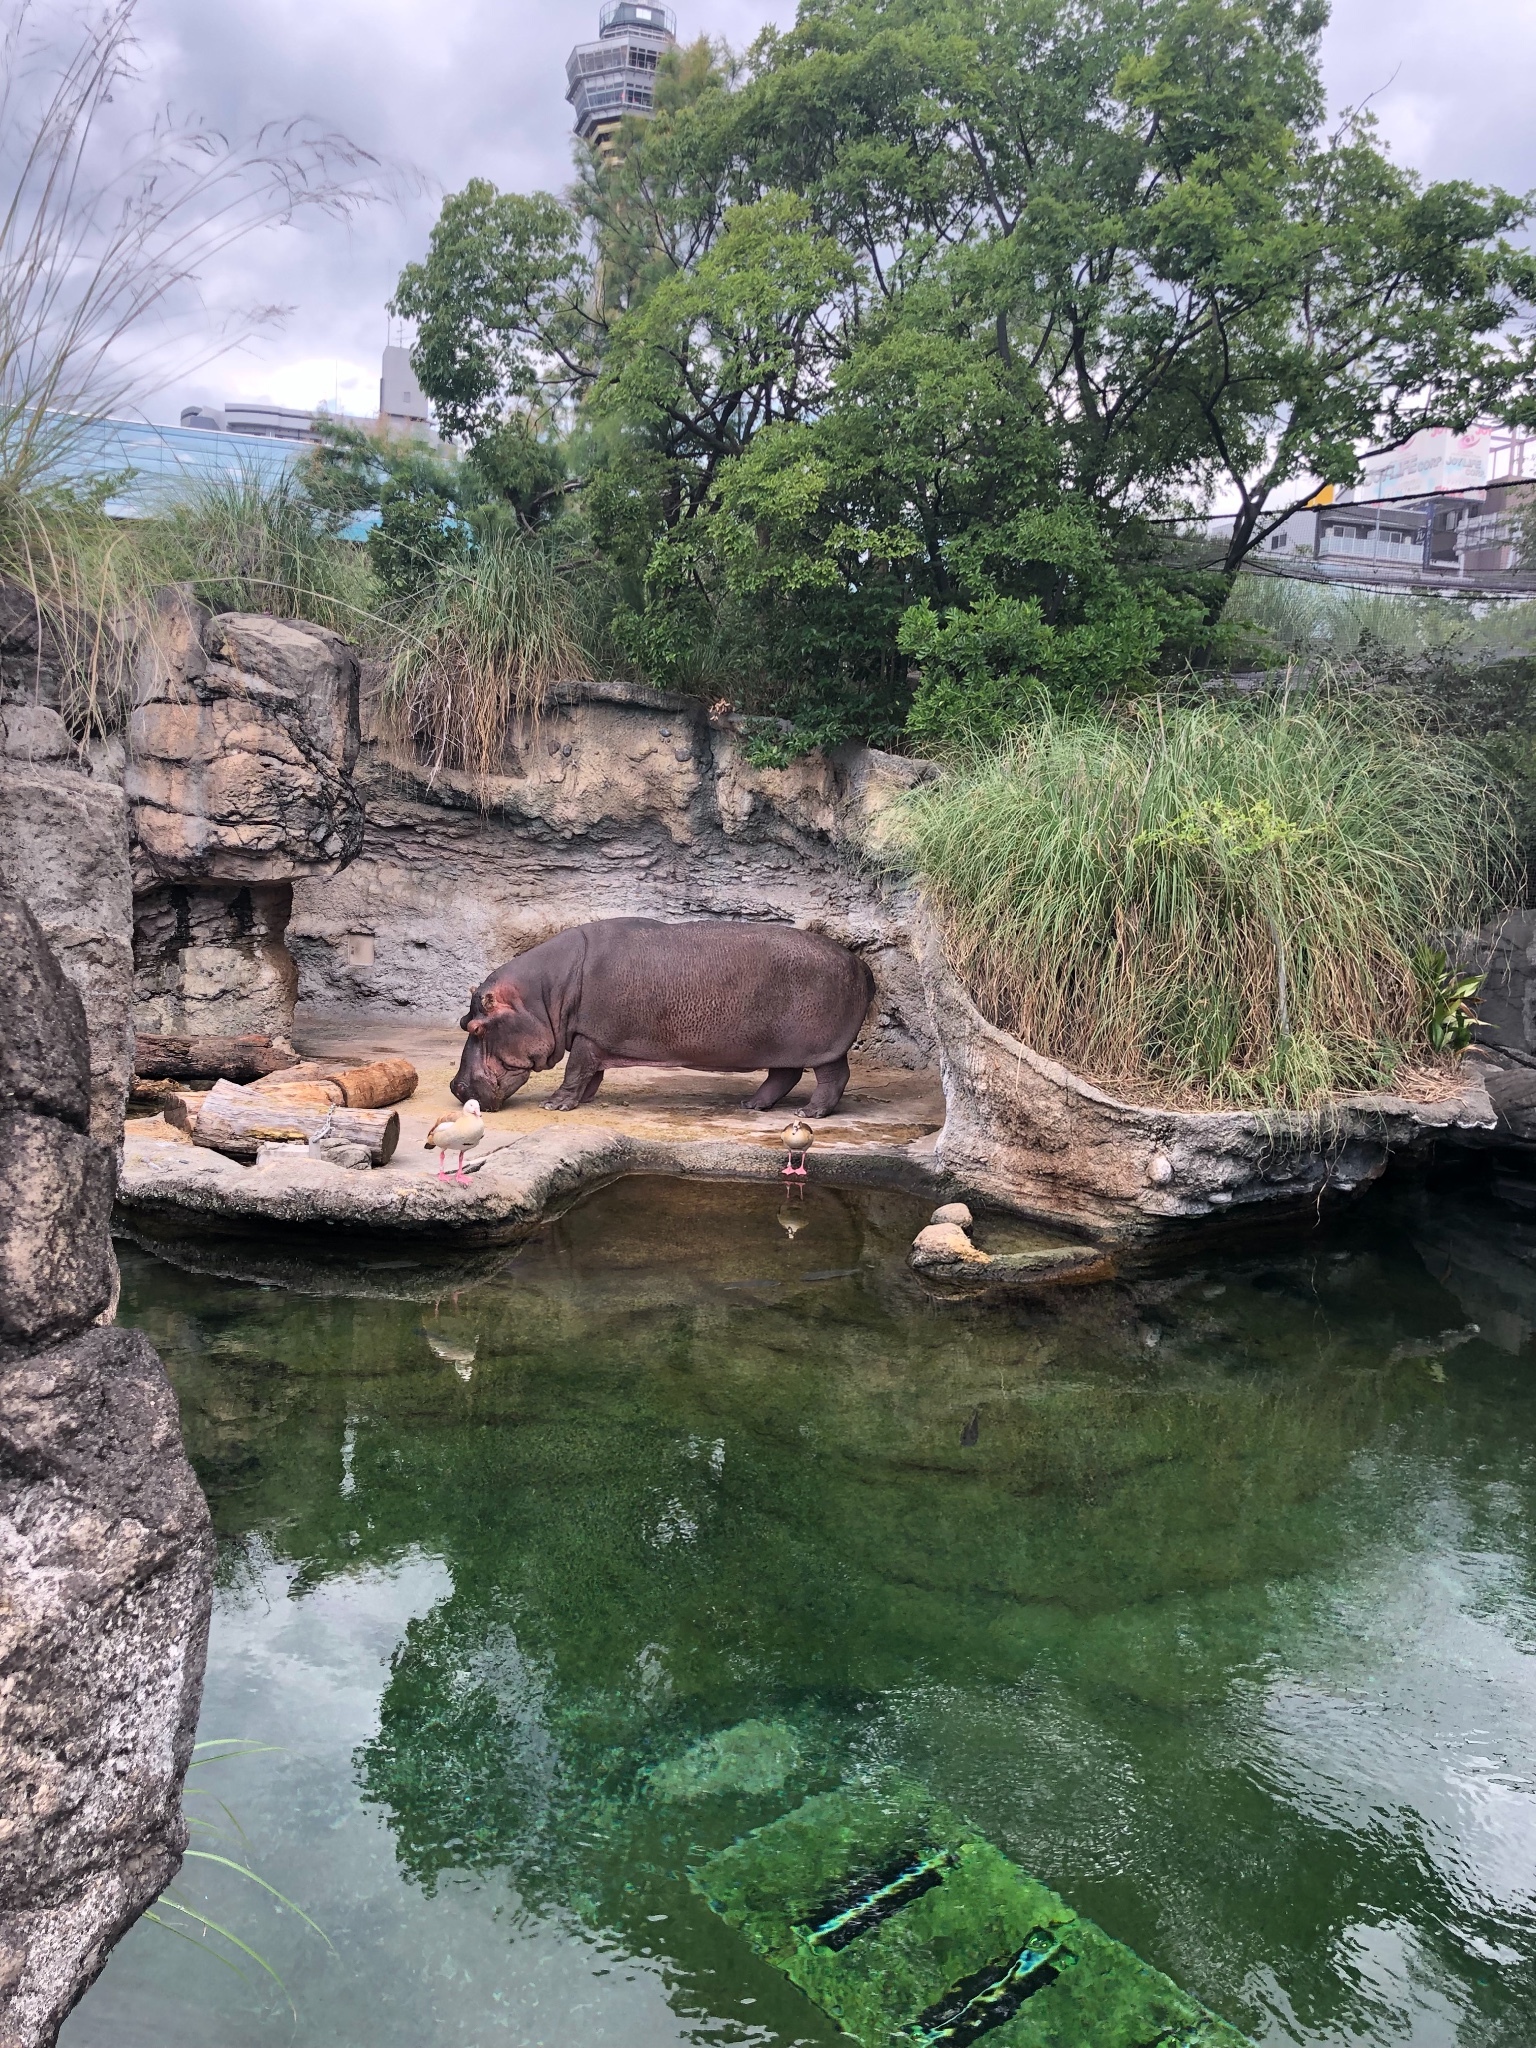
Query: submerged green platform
[906,1925]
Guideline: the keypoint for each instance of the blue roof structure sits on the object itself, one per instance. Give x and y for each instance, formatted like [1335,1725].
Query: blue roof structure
[160,462]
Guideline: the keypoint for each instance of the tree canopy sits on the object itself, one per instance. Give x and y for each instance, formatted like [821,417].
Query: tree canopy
[897,350]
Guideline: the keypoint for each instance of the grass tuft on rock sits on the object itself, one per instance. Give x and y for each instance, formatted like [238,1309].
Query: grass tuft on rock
[252,543]
[476,655]
[1215,901]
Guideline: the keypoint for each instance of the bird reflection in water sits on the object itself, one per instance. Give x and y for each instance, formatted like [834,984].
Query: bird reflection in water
[792,1218]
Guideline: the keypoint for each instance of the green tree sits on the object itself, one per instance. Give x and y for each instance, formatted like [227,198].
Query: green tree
[908,338]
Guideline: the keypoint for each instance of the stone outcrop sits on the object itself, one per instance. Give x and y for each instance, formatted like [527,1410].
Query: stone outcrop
[106,1556]
[241,747]
[31,657]
[64,851]
[1024,1133]
[620,802]
[241,743]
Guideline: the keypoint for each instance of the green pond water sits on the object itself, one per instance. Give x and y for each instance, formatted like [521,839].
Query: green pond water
[542,1574]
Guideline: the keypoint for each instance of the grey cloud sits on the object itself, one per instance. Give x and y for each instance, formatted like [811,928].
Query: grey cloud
[460,88]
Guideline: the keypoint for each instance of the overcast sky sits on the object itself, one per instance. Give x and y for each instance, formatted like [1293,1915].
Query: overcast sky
[465,88]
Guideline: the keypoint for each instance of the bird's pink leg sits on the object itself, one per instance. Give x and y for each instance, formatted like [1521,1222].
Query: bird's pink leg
[787,1167]
[442,1161]
[800,1169]
[461,1174]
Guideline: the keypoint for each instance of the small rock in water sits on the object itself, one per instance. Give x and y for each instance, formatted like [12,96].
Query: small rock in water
[972,1429]
[945,1244]
[754,1756]
[952,1212]
[460,1356]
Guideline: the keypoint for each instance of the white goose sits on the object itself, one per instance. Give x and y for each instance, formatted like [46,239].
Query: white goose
[456,1134]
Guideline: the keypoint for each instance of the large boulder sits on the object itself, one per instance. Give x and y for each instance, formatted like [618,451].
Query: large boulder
[64,851]
[106,1553]
[241,745]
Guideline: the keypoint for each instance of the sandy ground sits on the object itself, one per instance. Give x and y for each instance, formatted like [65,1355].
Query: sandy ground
[883,1106]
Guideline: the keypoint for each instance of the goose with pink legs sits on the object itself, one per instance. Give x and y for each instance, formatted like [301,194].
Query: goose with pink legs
[456,1134]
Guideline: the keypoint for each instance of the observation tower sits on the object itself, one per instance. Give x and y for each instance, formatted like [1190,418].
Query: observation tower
[616,75]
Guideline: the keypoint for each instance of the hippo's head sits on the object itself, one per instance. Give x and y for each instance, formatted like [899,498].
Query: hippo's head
[506,1042]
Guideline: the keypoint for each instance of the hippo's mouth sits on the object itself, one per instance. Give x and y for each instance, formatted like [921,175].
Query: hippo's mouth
[493,1087]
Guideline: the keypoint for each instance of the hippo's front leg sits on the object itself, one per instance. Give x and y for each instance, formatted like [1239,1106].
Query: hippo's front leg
[831,1080]
[583,1076]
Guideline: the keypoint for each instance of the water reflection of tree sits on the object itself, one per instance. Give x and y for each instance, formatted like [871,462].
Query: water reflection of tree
[664,1515]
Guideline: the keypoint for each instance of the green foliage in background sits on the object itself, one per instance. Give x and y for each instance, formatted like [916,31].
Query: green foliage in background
[1213,900]
[1469,668]
[905,339]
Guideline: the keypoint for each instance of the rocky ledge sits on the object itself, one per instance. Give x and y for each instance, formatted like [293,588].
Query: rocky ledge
[1025,1134]
[533,1161]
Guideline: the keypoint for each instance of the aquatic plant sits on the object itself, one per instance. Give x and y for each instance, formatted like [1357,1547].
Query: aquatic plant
[1218,900]
[220,1751]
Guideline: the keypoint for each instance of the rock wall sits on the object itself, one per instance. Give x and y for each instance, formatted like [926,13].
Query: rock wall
[106,1554]
[64,850]
[621,802]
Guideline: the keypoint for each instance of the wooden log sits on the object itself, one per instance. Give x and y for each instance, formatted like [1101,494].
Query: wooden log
[306,1070]
[371,1085]
[313,1094]
[376,1085]
[167,1056]
[151,1091]
[236,1120]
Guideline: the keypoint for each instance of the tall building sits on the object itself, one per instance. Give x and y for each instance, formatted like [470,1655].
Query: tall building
[616,75]
[403,409]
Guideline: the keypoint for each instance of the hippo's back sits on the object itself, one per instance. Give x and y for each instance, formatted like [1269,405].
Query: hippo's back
[721,995]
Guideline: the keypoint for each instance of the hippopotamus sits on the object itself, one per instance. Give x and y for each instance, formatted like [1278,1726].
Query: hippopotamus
[633,992]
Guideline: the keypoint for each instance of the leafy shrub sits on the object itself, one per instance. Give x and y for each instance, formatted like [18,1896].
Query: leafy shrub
[1218,900]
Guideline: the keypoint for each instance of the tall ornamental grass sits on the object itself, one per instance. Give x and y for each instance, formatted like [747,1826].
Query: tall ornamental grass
[1332,626]
[475,656]
[242,543]
[1213,901]
[253,543]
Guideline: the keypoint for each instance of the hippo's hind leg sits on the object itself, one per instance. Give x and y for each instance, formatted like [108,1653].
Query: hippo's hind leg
[831,1080]
[583,1077]
[774,1089]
